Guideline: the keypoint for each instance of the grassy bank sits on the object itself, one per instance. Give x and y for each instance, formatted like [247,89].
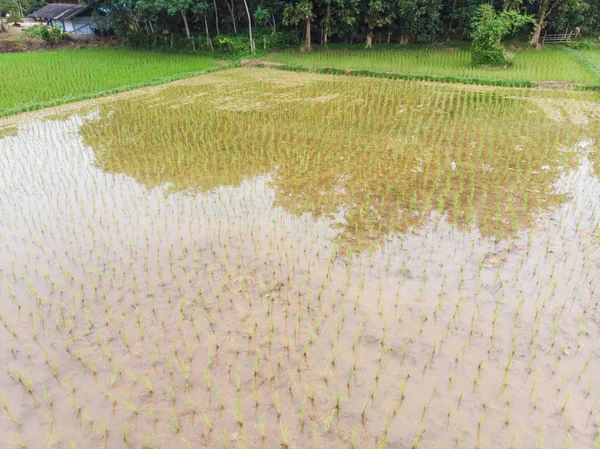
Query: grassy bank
[550,64]
[30,81]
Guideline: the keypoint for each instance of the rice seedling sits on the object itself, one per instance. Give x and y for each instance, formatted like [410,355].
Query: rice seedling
[298,246]
[552,64]
[81,72]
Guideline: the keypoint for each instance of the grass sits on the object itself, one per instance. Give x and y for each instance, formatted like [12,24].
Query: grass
[593,56]
[33,80]
[550,64]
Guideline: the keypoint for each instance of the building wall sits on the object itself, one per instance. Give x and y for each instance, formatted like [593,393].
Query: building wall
[82,25]
[68,26]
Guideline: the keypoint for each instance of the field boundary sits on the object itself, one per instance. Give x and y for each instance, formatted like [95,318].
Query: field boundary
[33,106]
[422,77]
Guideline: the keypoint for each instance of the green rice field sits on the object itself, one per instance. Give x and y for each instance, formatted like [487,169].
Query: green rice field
[260,258]
[549,64]
[593,56]
[40,77]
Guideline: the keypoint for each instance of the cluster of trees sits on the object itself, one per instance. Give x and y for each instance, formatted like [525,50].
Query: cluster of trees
[15,9]
[391,21]
[19,8]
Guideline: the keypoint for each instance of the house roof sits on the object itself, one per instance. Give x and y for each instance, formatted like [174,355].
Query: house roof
[59,12]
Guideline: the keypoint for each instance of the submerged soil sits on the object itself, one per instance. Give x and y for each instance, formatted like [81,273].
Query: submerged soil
[258,258]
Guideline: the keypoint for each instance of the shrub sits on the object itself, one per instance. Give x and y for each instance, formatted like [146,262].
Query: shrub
[239,45]
[490,28]
[227,46]
[586,44]
[49,34]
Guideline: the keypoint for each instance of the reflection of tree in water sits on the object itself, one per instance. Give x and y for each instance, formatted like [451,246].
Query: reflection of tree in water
[385,153]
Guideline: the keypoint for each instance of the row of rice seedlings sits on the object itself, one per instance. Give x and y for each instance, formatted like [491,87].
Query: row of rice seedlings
[223,313]
[408,162]
[550,64]
[44,76]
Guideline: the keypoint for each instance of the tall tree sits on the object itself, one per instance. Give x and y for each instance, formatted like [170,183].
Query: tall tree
[230,7]
[295,13]
[216,16]
[377,13]
[252,47]
[339,17]
[545,7]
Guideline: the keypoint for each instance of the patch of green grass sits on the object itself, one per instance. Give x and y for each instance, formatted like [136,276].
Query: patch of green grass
[550,64]
[593,57]
[31,80]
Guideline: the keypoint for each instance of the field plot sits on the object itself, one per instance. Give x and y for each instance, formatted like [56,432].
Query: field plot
[27,78]
[551,64]
[259,258]
[593,55]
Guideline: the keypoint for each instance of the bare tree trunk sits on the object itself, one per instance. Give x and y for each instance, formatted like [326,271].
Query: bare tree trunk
[151,27]
[328,18]
[232,13]
[185,22]
[450,24]
[216,16]
[252,49]
[208,41]
[1,25]
[187,29]
[307,43]
[535,39]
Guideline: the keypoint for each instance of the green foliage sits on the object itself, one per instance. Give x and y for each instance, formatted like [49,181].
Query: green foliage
[238,45]
[227,46]
[462,18]
[490,28]
[377,14]
[294,13]
[414,18]
[584,44]
[399,21]
[20,8]
[49,34]
[262,16]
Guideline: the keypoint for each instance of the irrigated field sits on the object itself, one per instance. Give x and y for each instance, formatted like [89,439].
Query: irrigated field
[259,258]
[551,64]
[28,80]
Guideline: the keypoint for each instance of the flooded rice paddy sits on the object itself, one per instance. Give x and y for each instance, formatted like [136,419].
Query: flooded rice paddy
[258,258]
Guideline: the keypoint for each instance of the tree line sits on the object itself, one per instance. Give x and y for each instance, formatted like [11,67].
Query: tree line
[324,21]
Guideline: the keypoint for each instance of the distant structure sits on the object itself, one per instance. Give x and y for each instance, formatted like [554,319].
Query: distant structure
[72,18]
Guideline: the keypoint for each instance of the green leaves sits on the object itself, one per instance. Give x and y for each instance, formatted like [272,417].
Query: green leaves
[491,27]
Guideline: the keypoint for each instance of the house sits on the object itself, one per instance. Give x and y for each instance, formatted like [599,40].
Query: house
[76,19]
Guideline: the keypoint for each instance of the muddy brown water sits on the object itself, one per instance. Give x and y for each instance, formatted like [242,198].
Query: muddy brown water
[147,302]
